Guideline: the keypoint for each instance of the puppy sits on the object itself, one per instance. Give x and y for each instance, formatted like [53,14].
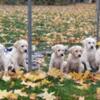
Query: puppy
[73,63]
[88,56]
[57,56]
[2,56]
[4,59]
[97,58]
[18,54]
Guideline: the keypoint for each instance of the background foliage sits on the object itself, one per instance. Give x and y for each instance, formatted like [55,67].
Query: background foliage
[51,24]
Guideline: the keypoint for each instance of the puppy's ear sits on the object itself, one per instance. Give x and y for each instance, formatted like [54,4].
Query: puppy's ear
[95,39]
[16,44]
[54,48]
[82,42]
[70,50]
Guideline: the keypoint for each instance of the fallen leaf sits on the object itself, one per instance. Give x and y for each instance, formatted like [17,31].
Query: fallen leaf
[29,84]
[3,94]
[86,75]
[32,96]
[98,93]
[47,96]
[12,96]
[83,86]
[20,93]
[6,78]
[81,98]
[96,77]
[55,73]
[38,75]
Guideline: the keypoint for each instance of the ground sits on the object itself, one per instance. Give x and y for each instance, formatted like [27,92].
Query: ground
[51,25]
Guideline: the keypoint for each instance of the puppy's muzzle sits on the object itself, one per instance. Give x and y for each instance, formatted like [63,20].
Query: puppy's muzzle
[92,47]
[25,51]
[79,55]
[62,55]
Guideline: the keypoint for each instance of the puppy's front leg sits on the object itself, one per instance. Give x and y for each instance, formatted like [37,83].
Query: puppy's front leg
[16,66]
[63,65]
[25,66]
[88,66]
[51,64]
[5,68]
[66,67]
[81,68]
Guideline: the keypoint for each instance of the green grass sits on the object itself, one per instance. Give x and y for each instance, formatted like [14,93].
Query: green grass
[65,90]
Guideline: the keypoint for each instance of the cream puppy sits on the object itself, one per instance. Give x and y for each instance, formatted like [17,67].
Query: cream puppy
[57,56]
[97,58]
[2,56]
[73,63]
[5,62]
[18,54]
[88,56]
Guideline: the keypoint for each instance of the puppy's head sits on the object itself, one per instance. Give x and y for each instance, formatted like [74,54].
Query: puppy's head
[89,43]
[21,46]
[76,51]
[59,49]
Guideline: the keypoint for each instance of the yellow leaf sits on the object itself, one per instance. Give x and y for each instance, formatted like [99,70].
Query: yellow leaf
[32,96]
[55,73]
[3,94]
[81,98]
[38,75]
[47,96]
[19,92]
[30,84]
[96,76]
[98,93]
[6,78]
[12,96]
[83,87]
[86,75]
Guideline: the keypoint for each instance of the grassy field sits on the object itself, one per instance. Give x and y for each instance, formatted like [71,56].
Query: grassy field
[51,25]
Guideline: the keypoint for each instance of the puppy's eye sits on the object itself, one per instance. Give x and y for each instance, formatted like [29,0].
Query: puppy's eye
[89,42]
[93,43]
[59,50]
[76,51]
[22,46]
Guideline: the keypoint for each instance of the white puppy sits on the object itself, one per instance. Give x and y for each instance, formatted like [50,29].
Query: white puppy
[18,54]
[5,62]
[97,58]
[88,56]
[2,56]
[73,61]
[57,56]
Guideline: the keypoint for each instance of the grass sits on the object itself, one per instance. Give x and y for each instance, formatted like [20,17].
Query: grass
[65,90]
[71,23]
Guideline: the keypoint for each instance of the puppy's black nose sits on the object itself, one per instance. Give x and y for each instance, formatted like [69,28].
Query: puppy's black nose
[91,47]
[25,51]
[79,55]
[62,55]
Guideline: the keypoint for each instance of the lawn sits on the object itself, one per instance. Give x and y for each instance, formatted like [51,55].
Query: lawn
[50,25]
